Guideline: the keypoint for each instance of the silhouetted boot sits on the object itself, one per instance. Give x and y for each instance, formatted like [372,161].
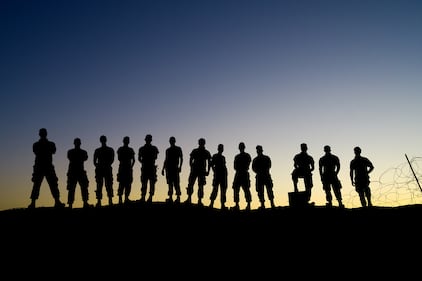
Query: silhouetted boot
[98,203]
[120,200]
[110,201]
[200,202]
[58,204]
[248,206]
[177,199]
[32,205]
[272,204]
[189,200]
[211,204]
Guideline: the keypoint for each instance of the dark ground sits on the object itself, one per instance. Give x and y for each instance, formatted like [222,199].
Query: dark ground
[178,242]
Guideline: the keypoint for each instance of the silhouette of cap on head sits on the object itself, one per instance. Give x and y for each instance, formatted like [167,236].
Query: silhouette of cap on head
[327,148]
[148,138]
[259,148]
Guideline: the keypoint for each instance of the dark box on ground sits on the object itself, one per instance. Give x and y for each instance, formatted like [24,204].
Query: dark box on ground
[298,199]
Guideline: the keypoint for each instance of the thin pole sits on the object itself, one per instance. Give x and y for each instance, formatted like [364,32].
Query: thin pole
[411,168]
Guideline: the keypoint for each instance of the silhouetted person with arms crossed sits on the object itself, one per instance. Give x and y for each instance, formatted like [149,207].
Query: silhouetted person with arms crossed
[44,168]
[360,168]
[219,168]
[303,165]
[76,173]
[261,165]
[329,167]
[103,160]
[241,179]
[126,157]
[200,165]
[147,155]
[172,167]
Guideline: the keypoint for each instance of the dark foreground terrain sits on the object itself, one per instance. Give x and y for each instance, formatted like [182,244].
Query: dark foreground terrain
[160,241]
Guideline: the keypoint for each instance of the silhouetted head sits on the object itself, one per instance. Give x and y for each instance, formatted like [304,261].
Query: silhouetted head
[77,142]
[357,150]
[220,148]
[201,141]
[126,140]
[303,147]
[42,132]
[172,140]
[242,146]
[148,138]
[327,148]
[103,139]
[259,149]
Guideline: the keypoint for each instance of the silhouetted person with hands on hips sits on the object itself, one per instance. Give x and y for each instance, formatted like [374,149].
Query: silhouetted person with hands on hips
[147,155]
[76,173]
[103,160]
[44,168]
[261,165]
[218,165]
[360,168]
[126,157]
[172,167]
[200,165]
[329,167]
[241,179]
[303,165]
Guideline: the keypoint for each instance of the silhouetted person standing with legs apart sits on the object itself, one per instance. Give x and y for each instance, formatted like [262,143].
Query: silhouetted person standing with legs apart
[76,174]
[303,167]
[44,168]
[103,159]
[126,157]
[261,165]
[171,169]
[218,165]
[241,179]
[147,155]
[360,168]
[329,166]
[200,165]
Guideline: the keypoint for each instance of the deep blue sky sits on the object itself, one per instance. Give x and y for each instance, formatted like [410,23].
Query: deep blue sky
[274,73]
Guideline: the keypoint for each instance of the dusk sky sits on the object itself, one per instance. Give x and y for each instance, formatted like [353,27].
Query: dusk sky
[273,73]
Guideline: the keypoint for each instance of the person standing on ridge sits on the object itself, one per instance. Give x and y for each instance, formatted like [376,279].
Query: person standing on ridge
[261,165]
[218,165]
[126,157]
[147,155]
[103,160]
[304,165]
[241,179]
[329,167]
[172,167]
[360,168]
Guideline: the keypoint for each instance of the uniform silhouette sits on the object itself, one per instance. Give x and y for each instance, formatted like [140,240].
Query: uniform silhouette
[103,160]
[303,167]
[76,173]
[126,157]
[200,165]
[360,168]
[218,165]
[329,167]
[261,165]
[147,155]
[44,168]
[241,179]
[172,167]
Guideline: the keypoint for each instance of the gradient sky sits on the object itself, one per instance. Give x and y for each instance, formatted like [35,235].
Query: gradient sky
[274,73]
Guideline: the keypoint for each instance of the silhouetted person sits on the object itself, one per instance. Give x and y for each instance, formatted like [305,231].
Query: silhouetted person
[360,168]
[44,168]
[172,167]
[329,167]
[147,155]
[303,165]
[241,179]
[126,157]
[218,165]
[103,160]
[200,165]
[261,165]
[76,173]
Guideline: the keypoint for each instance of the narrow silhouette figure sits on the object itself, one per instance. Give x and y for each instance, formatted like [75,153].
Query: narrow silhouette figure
[303,165]
[44,168]
[172,167]
[126,157]
[219,168]
[147,155]
[200,165]
[76,173]
[261,165]
[360,168]
[103,160]
[241,179]
[329,167]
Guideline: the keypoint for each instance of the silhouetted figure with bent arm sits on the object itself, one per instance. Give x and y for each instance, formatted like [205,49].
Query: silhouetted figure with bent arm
[261,165]
[76,173]
[200,165]
[147,155]
[303,165]
[218,165]
[172,167]
[329,167]
[126,157]
[360,168]
[241,179]
[44,168]
[103,160]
